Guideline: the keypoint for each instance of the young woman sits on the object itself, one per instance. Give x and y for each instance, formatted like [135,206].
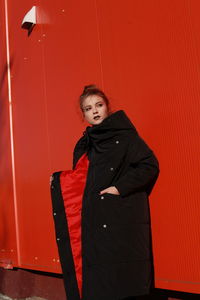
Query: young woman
[101,208]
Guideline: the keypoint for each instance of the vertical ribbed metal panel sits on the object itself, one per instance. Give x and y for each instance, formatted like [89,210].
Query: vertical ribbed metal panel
[145,54]
[8,247]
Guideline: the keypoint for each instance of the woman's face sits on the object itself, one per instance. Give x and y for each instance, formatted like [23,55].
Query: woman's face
[95,109]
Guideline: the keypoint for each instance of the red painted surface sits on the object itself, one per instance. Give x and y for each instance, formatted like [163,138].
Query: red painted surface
[145,55]
[8,250]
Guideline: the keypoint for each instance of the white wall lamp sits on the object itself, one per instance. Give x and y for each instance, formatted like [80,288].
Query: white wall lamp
[29,20]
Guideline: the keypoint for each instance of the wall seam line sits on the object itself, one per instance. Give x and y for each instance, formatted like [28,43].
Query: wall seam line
[12,134]
[99,46]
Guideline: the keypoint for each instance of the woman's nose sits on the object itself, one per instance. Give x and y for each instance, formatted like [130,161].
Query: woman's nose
[95,110]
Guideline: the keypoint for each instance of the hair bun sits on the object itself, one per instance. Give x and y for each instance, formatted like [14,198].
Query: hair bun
[89,87]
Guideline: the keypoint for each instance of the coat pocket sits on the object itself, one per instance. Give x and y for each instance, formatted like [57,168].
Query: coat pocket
[114,210]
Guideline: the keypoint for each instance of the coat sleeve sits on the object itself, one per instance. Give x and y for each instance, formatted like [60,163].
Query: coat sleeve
[142,169]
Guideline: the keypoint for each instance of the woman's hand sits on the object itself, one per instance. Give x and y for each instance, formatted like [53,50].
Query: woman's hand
[50,179]
[110,190]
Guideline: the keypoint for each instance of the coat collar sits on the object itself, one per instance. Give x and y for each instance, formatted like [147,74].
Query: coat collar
[115,124]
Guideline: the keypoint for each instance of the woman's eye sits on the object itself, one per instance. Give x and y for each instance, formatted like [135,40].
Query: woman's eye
[87,109]
[100,104]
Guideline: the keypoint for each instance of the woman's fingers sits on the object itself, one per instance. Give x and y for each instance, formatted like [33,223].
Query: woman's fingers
[110,190]
[51,179]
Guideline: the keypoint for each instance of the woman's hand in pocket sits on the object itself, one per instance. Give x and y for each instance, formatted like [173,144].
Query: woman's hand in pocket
[110,190]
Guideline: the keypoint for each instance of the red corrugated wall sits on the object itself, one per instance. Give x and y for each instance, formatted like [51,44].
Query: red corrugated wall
[145,55]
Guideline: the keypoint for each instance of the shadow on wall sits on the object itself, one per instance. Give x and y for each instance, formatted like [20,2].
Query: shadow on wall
[3,74]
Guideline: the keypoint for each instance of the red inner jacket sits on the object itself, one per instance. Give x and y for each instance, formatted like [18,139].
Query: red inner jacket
[72,187]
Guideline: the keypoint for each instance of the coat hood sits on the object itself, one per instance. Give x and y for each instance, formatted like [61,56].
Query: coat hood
[114,125]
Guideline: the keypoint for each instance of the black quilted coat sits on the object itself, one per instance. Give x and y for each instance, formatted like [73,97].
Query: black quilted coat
[115,229]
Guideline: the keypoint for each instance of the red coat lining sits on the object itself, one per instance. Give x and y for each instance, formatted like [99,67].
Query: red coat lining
[72,187]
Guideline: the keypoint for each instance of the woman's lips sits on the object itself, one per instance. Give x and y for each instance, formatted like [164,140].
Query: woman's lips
[96,117]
